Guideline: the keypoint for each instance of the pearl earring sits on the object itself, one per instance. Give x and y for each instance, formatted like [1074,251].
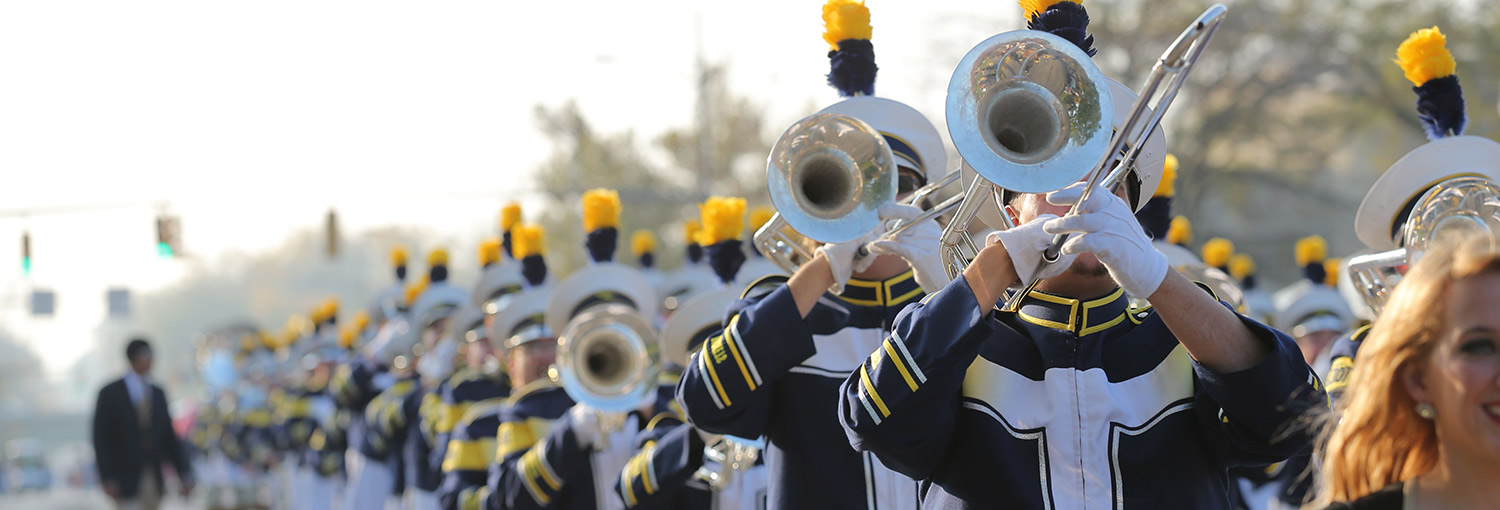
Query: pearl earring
[1426,410]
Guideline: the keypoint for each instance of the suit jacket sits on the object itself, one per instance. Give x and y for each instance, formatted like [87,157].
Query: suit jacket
[125,445]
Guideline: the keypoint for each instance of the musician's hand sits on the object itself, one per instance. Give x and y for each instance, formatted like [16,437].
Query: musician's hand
[918,245]
[584,422]
[844,259]
[1106,227]
[112,489]
[1025,244]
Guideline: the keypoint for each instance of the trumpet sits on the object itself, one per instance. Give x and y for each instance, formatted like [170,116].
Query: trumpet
[1029,112]
[1457,207]
[827,175]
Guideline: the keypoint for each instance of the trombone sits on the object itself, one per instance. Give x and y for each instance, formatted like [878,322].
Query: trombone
[1024,157]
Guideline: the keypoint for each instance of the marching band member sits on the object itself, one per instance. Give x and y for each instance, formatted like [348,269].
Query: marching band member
[643,248]
[380,451]
[1074,400]
[1382,220]
[664,473]
[473,447]
[775,371]
[510,218]
[575,464]
[757,265]
[431,314]
[480,378]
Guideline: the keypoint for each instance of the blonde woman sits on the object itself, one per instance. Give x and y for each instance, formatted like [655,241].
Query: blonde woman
[1422,424]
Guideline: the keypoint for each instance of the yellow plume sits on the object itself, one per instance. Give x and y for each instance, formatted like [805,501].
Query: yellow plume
[1424,56]
[1180,232]
[1035,7]
[760,216]
[723,220]
[526,240]
[510,216]
[1331,267]
[346,338]
[1241,265]
[601,209]
[361,320]
[489,251]
[268,341]
[1311,249]
[690,230]
[1168,185]
[414,289]
[1216,252]
[437,257]
[845,19]
[296,325]
[398,256]
[642,242]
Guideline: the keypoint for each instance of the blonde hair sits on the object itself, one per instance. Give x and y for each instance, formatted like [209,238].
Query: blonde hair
[1379,439]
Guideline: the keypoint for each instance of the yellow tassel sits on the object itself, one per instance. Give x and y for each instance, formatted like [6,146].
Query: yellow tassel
[437,257]
[1180,232]
[759,217]
[1216,252]
[489,251]
[526,240]
[642,242]
[1168,185]
[690,230]
[1424,56]
[601,209]
[1311,249]
[398,256]
[1035,7]
[1331,268]
[723,220]
[510,216]
[845,19]
[414,289]
[1241,265]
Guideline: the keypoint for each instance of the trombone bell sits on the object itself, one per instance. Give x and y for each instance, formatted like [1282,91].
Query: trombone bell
[1029,111]
[828,174]
[607,358]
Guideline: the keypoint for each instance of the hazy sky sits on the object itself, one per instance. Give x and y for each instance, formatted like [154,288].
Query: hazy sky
[252,119]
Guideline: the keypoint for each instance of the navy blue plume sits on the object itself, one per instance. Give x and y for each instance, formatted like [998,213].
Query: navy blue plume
[1067,20]
[852,68]
[534,268]
[726,257]
[601,244]
[1440,104]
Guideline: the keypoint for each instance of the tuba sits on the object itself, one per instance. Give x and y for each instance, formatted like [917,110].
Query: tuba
[827,175]
[607,358]
[1029,112]
[1457,207]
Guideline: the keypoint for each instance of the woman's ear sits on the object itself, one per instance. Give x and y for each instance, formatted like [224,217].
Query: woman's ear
[1411,379]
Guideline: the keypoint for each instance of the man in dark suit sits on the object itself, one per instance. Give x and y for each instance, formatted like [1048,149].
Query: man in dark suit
[133,437]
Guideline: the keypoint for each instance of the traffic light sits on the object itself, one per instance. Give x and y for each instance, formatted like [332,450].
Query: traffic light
[26,253]
[168,236]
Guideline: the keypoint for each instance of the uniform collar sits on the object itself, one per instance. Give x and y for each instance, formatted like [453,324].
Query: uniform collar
[895,291]
[1080,317]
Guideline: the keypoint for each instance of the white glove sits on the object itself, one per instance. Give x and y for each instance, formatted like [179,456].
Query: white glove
[1025,244]
[584,421]
[1106,227]
[844,259]
[918,245]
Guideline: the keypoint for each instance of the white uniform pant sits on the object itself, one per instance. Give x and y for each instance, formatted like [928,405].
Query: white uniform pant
[421,500]
[371,487]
